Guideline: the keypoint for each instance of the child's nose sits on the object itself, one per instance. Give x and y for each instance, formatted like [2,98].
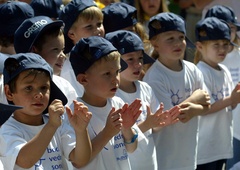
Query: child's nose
[38,95]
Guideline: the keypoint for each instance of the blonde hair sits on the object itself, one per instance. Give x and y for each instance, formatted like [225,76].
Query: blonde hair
[197,56]
[140,13]
[91,13]
[113,56]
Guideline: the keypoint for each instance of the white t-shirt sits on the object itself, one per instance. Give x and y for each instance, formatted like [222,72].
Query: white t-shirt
[68,73]
[176,144]
[2,93]
[215,129]
[232,63]
[66,88]
[114,155]
[144,157]
[14,135]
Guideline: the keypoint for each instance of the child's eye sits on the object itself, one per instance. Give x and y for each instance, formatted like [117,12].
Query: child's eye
[28,88]
[182,37]
[107,73]
[99,24]
[44,88]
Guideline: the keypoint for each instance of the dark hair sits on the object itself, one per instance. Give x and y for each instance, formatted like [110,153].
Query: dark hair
[6,41]
[31,72]
[52,32]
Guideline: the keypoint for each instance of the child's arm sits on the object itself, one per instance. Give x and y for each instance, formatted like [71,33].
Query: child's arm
[197,104]
[231,100]
[79,120]
[112,127]
[26,157]
[160,119]
[129,116]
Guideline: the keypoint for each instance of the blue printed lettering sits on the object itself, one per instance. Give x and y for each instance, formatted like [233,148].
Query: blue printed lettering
[118,137]
[55,158]
[119,145]
[51,150]
[57,167]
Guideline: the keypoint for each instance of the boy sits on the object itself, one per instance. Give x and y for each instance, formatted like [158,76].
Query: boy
[82,19]
[96,64]
[12,14]
[30,139]
[43,36]
[175,82]
[132,52]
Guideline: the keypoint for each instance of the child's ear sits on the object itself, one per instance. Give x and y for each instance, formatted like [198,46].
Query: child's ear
[199,46]
[71,34]
[8,93]
[82,79]
[34,49]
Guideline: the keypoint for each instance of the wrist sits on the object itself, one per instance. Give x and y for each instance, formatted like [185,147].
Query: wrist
[135,136]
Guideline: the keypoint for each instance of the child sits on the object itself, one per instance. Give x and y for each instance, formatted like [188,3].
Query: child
[82,19]
[132,52]
[147,9]
[175,82]
[112,129]
[30,139]
[12,14]
[231,61]
[44,36]
[215,143]
[121,16]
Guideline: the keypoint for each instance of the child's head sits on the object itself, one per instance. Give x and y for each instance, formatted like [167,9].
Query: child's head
[121,16]
[96,64]
[213,40]
[82,19]
[43,36]
[130,46]
[227,14]
[167,34]
[149,8]
[28,83]
[12,14]
[48,8]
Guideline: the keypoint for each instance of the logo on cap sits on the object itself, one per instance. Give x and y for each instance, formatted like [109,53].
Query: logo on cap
[34,27]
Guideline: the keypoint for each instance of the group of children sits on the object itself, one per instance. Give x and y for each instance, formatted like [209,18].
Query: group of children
[100,110]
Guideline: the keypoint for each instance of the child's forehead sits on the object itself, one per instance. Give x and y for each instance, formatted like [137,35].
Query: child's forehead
[106,63]
[171,33]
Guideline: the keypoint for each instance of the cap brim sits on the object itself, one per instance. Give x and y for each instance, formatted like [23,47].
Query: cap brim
[68,44]
[55,93]
[57,23]
[6,111]
[123,64]
[147,59]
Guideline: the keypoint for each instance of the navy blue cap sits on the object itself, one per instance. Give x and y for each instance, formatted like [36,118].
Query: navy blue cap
[167,21]
[12,14]
[3,57]
[98,47]
[6,111]
[118,15]
[211,28]
[127,42]
[50,8]
[20,62]
[28,32]
[223,12]
[69,15]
